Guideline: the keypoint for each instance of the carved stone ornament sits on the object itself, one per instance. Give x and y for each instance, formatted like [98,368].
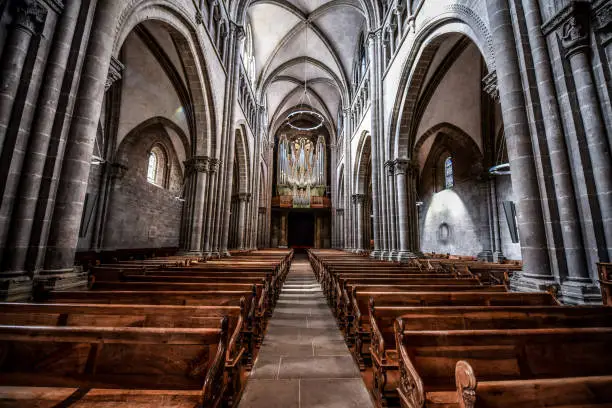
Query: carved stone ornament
[359,198]
[213,165]
[29,14]
[197,164]
[404,166]
[603,18]
[572,25]
[246,197]
[490,86]
[390,166]
[114,72]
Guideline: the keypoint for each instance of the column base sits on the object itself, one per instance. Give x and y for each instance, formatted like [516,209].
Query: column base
[376,254]
[522,283]
[191,253]
[486,256]
[385,254]
[580,293]
[16,287]
[225,254]
[211,255]
[405,256]
[498,257]
[283,246]
[392,256]
[61,279]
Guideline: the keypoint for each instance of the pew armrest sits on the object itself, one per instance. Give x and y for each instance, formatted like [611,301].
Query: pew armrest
[377,343]
[214,386]
[411,390]
[466,383]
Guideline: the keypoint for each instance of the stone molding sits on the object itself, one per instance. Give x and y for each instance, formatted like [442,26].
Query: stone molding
[572,25]
[405,166]
[115,72]
[390,166]
[197,164]
[339,211]
[262,210]
[490,85]
[359,198]
[602,16]
[30,15]
[246,197]
[213,165]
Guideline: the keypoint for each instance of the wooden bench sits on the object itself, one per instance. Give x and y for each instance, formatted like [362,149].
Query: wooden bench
[360,331]
[428,359]
[605,281]
[136,359]
[382,320]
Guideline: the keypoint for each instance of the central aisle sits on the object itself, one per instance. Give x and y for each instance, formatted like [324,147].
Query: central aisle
[304,362]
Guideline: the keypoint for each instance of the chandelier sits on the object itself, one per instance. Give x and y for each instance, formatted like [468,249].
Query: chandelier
[296,119]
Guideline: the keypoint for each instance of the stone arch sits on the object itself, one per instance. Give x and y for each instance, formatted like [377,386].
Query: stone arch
[363,163]
[263,182]
[340,197]
[181,26]
[457,19]
[242,160]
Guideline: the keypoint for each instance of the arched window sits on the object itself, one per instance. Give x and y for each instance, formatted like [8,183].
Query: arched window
[449,180]
[157,167]
[152,168]
[248,54]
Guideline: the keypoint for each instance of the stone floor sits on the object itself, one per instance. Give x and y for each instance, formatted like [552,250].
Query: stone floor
[304,362]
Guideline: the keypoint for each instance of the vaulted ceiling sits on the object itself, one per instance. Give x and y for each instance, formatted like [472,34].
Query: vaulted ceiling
[297,40]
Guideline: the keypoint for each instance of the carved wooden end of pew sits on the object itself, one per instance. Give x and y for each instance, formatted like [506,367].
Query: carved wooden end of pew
[411,389]
[605,281]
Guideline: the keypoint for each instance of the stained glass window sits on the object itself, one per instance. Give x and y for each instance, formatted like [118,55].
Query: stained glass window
[448,173]
[152,169]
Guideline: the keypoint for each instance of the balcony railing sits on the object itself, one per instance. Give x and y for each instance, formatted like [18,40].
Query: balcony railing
[287,202]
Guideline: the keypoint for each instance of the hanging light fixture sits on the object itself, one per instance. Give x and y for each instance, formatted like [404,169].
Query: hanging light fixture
[304,111]
[501,169]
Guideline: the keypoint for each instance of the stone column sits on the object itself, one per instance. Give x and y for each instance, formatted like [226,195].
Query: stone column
[359,200]
[340,216]
[243,200]
[197,169]
[27,22]
[392,210]
[14,258]
[498,254]
[579,282]
[404,203]
[376,137]
[536,273]
[261,231]
[283,227]
[213,165]
[64,228]
[348,174]
[574,35]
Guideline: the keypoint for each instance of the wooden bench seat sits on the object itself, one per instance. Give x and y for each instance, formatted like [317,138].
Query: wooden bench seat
[382,320]
[116,357]
[428,358]
[572,392]
[359,329]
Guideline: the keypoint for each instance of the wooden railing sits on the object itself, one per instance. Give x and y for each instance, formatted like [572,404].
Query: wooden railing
[287,202]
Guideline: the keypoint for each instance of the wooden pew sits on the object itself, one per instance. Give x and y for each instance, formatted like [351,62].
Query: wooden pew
[428,358]
[136,359]
[360,324]
[585,392]
[382,319]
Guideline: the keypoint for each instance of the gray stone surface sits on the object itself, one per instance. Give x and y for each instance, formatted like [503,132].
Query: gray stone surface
[304,361]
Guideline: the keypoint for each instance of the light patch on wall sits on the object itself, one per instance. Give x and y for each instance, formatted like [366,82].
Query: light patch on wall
[179,113]
[458,236]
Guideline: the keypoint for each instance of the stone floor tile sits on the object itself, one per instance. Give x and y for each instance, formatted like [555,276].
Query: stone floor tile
[318,367]
[271,394]
[330,348]
[266,367]
[334,393]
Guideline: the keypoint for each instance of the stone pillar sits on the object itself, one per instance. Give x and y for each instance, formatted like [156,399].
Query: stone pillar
[14,258]
[574,35]
[347,225]
[536,273]
[579,282]
[283,231]
[392,210]
[340,223]
[59,269]
[498,254]
[405,202]
[243,200]
[359,200]
[376,137]
[261,230]
[29,16]
[197,169]
[213,165]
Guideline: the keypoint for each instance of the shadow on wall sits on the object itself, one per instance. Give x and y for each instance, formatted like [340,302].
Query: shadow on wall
[447,226]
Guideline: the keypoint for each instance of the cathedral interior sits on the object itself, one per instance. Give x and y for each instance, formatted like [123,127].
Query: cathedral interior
[305,203]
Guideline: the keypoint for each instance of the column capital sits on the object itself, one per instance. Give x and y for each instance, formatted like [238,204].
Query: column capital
[405,166]
[390,166]
[213,165]
[572,25]
[377,33]
[490,86]
[602,16]
[197,164]
[246,197]
[29,14]
[115,71]
[359,198]
[238,30]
